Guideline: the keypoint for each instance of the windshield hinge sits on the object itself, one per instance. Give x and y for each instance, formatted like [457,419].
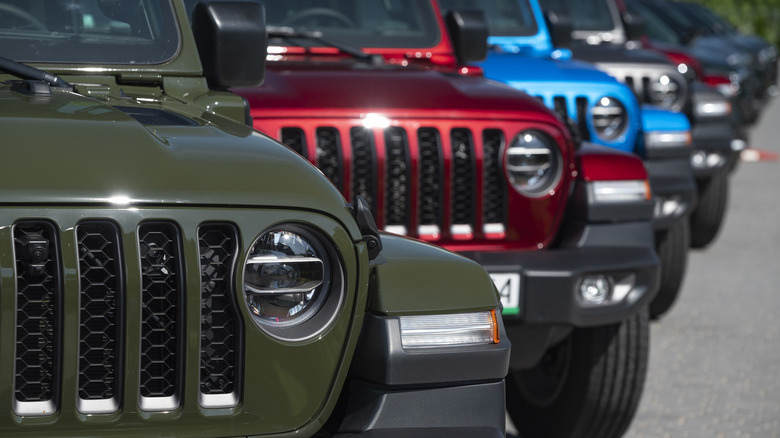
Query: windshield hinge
[139,78]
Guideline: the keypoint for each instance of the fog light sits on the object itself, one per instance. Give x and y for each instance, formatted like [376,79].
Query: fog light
[421,331]
[594,289]
[665,207]
[704,160]
[738,144]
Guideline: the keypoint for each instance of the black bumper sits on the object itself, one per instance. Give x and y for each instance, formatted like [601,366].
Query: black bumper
[550,278]
[439,432]
[713,137]
[671,179]
[426,392]
[470,411]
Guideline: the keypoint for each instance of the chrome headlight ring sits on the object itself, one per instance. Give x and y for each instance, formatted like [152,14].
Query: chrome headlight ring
[667,92]
[609,118]
[293,282]
[533,164]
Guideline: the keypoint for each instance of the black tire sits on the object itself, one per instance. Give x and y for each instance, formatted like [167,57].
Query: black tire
[672,248]
[707,218]
[587,386]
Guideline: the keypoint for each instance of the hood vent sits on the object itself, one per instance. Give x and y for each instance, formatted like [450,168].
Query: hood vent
[156,117]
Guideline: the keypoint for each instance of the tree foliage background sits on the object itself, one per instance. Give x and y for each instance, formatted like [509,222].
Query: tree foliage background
[751,16]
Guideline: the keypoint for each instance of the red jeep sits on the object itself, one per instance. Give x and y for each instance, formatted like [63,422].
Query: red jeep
[376,94]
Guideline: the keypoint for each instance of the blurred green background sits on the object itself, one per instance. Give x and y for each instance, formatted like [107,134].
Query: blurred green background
[752,16]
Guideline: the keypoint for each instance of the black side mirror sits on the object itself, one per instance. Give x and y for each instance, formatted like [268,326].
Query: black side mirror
[634,25]
[559,24]
[232,40]
[469,33]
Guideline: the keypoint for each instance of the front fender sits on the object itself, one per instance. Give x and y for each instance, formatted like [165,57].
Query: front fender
[412,277]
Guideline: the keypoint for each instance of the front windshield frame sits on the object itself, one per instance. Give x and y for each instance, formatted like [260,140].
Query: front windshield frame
[604,21]
[655,27]
[72,32]
[422,25]
[518,15]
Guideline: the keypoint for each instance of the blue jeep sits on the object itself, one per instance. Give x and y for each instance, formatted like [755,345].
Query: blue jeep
[609,35]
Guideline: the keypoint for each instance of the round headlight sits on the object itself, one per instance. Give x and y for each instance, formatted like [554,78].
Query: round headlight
[665,92]
[290,279]
[609,118]
[532,163]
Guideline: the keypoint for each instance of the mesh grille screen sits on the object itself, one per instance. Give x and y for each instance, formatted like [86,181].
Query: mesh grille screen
[37,314]
[161,309]
[220,326]
[100,316]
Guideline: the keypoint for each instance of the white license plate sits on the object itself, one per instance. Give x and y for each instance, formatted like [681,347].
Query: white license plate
[508,286]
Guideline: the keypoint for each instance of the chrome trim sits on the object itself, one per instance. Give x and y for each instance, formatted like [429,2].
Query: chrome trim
[218,400]
[429,230]
[35,409]
[159,404]
[461,230]
[102,406]
[397,229]
[490,229]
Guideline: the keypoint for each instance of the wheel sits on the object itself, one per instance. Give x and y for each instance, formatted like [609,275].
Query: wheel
[672,248]
[587,386]
[326,13]
[708,216]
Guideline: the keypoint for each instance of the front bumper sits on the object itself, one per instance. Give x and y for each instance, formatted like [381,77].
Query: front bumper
[674,189]
[550,279]
[549,304]
[714,147]
[424,392]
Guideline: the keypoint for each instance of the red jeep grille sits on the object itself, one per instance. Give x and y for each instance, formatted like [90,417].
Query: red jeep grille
[429,182]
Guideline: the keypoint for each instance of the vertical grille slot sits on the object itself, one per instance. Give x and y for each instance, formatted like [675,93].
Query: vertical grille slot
[494,189]
[398,177]
[561,107]
[295,139]
[38,318]
[463,183]
[582,118]
[101,298]
[646,91]
[221,328]
[329,159]
[162,318]
[629,81]
[431,182]
[364,166]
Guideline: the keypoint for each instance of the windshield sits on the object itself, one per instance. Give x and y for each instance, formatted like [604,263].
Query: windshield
[655,27]
[359,23]
[504,17]
[587,15]
[88,31]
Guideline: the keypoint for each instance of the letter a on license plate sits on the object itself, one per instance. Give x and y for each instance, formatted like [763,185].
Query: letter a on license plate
[508,286]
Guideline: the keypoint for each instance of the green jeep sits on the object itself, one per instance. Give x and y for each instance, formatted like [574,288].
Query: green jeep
[167,271]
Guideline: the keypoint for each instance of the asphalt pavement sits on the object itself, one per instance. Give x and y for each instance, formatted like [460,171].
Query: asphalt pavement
[715,357]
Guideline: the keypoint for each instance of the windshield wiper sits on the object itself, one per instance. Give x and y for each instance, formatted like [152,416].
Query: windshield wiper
[288,33]
[27,72]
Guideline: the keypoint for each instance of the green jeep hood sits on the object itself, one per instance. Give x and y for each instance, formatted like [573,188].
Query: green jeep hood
[69,148]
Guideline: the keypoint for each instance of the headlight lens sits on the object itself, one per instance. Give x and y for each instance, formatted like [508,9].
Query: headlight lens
[533,164]
[287,276]
[609,118]
[665,92]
